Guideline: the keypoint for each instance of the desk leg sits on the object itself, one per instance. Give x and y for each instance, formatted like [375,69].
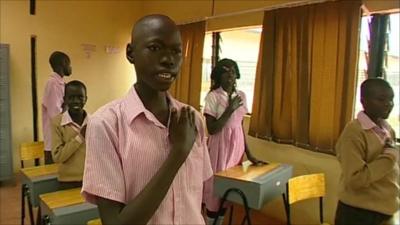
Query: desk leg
[244,199]
[30,207]
[23,190]
[230,215]
[287,207]
[39,216]
[46,220]
[26,194]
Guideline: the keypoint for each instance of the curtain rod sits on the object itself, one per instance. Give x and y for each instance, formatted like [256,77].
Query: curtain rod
[267,8]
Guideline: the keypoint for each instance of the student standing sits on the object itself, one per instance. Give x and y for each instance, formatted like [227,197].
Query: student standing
[52,103]
[68,136]
[369,184]
[225,108]
[146,156]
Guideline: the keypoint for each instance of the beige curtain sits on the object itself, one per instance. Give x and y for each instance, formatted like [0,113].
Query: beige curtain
[306,74]
[188,84]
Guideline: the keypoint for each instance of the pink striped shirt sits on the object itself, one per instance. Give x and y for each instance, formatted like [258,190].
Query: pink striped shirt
[367,124]
[125,147]
[51,105]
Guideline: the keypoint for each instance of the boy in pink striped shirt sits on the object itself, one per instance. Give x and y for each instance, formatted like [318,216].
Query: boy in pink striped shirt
[53,97]
[146,153]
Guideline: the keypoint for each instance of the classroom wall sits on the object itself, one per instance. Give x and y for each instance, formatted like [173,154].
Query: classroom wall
[83,29]
[93,33]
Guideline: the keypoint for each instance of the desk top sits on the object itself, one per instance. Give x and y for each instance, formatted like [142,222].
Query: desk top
[63,198]
[250,175]
[94,222]
[37,171]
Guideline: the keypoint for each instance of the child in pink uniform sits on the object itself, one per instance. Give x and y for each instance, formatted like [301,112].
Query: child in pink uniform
[224,110]
[146,153]
[53,97]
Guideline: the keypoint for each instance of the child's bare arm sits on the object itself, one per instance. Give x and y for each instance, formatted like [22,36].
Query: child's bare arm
[142,208]
[215,125]
[250,156]
[139,210]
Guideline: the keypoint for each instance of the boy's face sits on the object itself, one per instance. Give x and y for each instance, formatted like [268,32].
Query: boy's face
[379,102]
[156,52]
[66,67]
[75,98]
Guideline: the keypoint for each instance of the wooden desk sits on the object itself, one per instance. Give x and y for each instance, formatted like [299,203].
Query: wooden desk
[39,180]
[94,222]
[66,207]
[259,184]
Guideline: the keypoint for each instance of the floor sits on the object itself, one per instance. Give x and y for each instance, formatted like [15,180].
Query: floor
[10,203]
[10,211]
[257,218]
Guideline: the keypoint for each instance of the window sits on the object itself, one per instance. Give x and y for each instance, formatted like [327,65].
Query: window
[241,45]
[392,67]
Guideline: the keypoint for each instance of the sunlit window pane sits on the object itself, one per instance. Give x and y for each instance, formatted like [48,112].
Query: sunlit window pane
[392,67]
[242,46]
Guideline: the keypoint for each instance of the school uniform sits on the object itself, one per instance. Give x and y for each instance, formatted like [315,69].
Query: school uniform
[126,146]
[228,145]
[369,184]
[51,106]
[68,147]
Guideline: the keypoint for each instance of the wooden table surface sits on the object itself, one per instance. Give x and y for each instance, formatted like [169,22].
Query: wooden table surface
[37,171]
[94,222]
[251,173]
[63,198]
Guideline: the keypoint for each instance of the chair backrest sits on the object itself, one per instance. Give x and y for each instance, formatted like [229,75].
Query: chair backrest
[31,151]
[306,187]
[94,222]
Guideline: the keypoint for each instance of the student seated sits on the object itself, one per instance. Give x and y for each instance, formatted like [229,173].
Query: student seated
[369,184]
[68,136]
[147,155]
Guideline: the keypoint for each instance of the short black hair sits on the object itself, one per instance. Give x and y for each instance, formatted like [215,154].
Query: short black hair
[219,69]
[56,59]
[144,22]
[369,84]
[75,83]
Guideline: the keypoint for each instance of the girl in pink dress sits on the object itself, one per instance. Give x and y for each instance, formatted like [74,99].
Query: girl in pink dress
[224,110]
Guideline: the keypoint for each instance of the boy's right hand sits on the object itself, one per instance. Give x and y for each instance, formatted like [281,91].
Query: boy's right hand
[393,152]
[182,132]
[83,131]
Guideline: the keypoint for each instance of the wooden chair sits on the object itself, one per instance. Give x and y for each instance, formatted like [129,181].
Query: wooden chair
[94,222]
[303,188]
[29,151]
